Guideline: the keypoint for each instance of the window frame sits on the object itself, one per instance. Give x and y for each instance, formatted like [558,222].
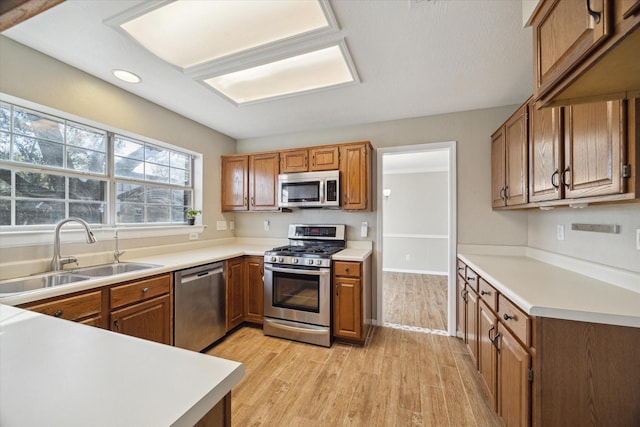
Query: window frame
[14,235]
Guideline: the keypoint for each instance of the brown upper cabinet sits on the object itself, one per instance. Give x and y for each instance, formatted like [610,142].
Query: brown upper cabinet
[249,182]
[355,176]
[578,153]
[509,151]
[585,50]
[312,159]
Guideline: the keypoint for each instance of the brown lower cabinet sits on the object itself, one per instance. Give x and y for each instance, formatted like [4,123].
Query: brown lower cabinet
[254,289]
[352,300]
[542,372]
[148,320]
[85,307]
[235,292]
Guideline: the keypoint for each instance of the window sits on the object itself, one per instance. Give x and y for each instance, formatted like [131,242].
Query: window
[52,168]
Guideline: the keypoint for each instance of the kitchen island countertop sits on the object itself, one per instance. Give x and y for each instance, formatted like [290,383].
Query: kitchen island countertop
[60,373]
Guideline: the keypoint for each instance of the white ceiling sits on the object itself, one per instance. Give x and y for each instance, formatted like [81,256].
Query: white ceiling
[414,58]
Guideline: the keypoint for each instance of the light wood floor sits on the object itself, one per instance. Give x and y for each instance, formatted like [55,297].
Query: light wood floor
[400,378]
[415,300]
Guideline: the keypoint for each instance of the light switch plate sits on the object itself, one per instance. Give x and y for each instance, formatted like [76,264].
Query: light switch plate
[560,232]
[267,225]
[638,239]
[221,225]
[364,229]
[193,236]
[232,225]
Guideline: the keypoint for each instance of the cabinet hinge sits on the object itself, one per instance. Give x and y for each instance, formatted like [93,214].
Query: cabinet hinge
[626,171]
[530,374]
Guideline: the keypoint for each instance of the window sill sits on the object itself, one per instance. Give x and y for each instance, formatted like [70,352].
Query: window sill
[71,233]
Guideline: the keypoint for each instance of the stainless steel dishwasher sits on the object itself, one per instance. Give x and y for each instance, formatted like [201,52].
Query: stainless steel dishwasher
[199,317]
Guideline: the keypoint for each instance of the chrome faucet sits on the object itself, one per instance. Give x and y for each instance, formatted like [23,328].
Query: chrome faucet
[117,253]
[57,261]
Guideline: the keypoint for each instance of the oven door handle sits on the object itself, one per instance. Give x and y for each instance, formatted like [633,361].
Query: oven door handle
[321,272]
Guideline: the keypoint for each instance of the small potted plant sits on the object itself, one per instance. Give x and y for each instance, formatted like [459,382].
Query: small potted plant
[191,215]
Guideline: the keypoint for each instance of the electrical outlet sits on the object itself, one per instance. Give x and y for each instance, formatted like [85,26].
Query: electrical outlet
[232,225]
[560,231]
[193,236]
[267,225]
[407,257]
[638,239]
[221,225]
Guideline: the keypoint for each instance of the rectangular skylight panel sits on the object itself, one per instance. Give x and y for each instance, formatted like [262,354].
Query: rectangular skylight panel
[187,33]
[310,71]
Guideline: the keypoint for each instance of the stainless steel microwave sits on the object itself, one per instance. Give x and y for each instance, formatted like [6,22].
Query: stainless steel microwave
[309,190]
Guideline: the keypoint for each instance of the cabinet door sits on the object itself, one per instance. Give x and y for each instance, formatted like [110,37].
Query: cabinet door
[461,299]
[324,158]
[235,285]
[235,183]
[263,181]
[516,152]
[150,320]
[594,146]
[347,312]
[472,324]
[514,388]
[487,355]
[563,35]
[354,168]
[254,289]
[498,169]
[294,161]
[545,153]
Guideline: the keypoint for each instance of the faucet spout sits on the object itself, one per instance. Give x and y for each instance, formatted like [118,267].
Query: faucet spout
[57,261]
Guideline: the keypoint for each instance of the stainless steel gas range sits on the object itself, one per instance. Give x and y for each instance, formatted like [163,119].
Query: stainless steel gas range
[297,284]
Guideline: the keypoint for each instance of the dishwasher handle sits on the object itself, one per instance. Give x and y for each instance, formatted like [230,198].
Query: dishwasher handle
[196,276]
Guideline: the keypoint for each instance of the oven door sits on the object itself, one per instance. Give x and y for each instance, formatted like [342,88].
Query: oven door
[300,294]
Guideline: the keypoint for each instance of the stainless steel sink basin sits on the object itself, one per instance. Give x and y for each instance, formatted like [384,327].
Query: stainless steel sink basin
[25,284]
[57,278]
[112,269]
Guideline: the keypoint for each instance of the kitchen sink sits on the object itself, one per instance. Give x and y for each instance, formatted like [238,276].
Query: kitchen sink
[111,269]
[25,284]
[58,278]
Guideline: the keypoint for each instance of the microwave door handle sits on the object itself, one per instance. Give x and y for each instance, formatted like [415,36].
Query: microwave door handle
[322,192]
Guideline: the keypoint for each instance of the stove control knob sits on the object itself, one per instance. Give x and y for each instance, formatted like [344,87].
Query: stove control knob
[310,262]
[273,259]
[295,260]
[319,262]
[280,259]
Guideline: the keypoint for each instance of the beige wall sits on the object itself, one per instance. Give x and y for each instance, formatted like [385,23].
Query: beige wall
[30,75]
[477,223]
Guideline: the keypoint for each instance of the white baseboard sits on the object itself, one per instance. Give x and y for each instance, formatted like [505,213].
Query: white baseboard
[400,270]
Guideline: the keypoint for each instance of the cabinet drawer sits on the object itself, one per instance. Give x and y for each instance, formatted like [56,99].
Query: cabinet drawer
[488,294]
[348,269]
[72,308]
[139,291]
[462,268]
[472,279]
[515,319]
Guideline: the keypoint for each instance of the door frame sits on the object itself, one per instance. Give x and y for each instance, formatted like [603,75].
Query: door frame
[450,146]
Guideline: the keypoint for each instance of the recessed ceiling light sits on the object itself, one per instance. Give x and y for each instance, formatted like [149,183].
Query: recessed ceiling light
[315,70]
[188,33]
[127,76]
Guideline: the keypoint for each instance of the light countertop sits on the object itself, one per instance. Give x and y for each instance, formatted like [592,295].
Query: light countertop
[545,290]
[179,259]
[60,373]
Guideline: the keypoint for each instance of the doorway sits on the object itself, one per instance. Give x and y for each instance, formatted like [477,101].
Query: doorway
[417,244]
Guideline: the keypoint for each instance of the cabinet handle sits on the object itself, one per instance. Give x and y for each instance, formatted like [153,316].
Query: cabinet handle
[489,333]
[563,178]
[460,268]
[553,181]
[115,325]
[494,341]
[507,317]
[337,290]
[484,293]
[145,290]
[471,278]
[506,193]
[253,203]
[346,270]
[501,194]
[58,313]
[595,15]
